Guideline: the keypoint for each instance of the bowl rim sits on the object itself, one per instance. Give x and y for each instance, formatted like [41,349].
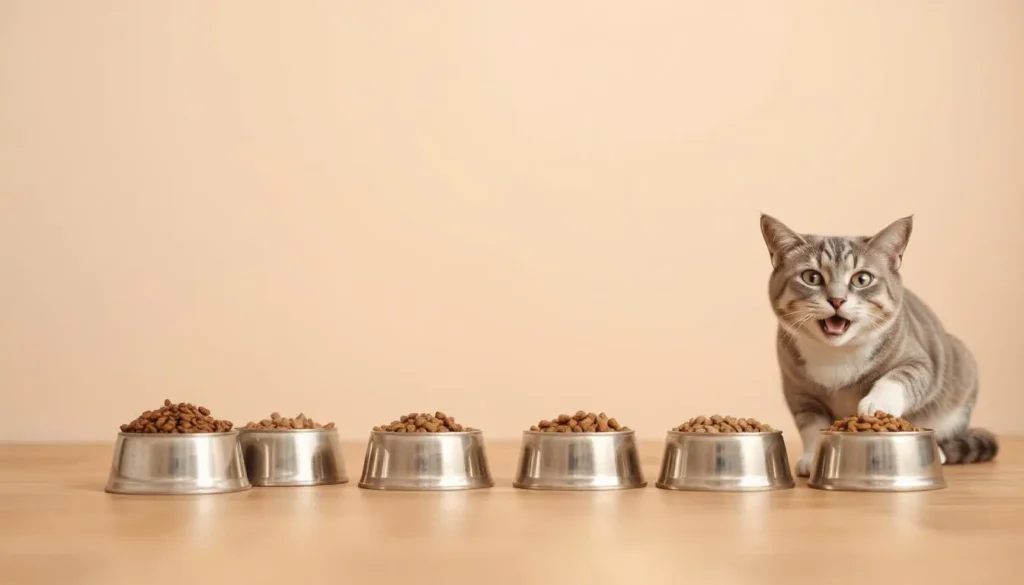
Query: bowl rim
[286,431]
[424,435]
[688,434]
[233,431]
[529,433]
[921,433]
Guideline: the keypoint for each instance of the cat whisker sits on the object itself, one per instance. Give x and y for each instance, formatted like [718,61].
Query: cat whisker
[796,327]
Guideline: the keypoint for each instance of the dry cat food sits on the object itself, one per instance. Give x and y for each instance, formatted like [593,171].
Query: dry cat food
[421,422]
[183,417]
[581,422]
[276,422]
[880,422]
[722,424]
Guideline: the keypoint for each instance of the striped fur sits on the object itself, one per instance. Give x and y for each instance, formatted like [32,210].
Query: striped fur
[894,354]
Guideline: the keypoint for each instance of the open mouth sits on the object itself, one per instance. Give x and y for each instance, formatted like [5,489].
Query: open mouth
[834,326]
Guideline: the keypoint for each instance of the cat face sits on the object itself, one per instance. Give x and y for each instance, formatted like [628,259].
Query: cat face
[835,290]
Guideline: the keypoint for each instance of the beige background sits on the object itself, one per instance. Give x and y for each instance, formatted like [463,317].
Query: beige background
[504,210]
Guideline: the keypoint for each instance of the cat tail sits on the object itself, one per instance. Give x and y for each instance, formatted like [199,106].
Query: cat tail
[970,446]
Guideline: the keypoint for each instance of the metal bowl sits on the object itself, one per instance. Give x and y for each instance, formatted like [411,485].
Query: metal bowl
[200,463]
[292,457]
[725,462]
[425,461]
[579,461]
[877,462]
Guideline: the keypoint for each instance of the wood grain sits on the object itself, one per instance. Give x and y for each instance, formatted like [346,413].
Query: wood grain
[57,525]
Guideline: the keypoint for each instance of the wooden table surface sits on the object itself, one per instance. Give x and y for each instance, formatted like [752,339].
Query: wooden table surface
[57,525]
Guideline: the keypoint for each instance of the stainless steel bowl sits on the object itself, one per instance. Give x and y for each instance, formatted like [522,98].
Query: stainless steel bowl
[201,463]
[425,461]
[877,462]
[293,457]
[725,462]
[579,461]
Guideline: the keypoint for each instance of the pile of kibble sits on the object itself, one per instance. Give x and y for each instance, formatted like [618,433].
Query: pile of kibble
[276,422]
[581,422]
[722,424]
[417,422]
[183,417]
[880,422]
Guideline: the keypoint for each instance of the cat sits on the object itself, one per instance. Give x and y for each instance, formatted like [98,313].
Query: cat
[852,340]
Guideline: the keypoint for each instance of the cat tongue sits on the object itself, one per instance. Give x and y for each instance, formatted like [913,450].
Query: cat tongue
[835,325]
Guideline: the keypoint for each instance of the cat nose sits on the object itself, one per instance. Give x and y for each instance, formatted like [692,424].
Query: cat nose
[836,302]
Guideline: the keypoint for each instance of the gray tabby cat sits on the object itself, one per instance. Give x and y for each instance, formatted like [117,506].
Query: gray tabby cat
[852,340]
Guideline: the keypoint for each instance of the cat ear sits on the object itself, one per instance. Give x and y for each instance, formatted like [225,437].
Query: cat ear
[892,241]
[778,238]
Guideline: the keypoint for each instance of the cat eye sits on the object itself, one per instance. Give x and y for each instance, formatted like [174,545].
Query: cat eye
[862,279]
[812,277]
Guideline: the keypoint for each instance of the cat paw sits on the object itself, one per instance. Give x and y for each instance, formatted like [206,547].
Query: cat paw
[886,396]
[803,465]
[942,456]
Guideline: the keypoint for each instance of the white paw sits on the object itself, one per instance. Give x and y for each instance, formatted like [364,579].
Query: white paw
[803,465]
[942,456]
[886,396]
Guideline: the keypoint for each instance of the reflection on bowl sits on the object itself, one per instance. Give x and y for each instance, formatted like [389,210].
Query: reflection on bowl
[200,463]
[725,462]
[880,462]
[293,457]
[425,461]
[579,461]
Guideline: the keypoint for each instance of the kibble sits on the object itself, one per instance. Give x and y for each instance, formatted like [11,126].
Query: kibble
[422,422]
[181,418]
[723,424]
[880,422]
[276,422]
[581,422]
